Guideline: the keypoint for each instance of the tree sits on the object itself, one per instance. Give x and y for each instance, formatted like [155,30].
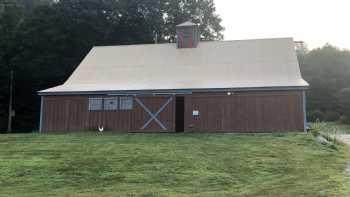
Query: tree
[29,5]
[161,16]
[344,99]
[11,19]
[199,11]
[327,69]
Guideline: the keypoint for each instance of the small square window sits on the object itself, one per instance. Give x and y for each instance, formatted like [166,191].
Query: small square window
[95,104]
[126,103]
[110,104]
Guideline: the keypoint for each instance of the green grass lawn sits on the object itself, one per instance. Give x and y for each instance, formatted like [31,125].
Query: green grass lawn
[287,165]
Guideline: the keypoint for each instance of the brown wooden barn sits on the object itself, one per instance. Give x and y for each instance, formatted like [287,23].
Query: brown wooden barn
[191,86]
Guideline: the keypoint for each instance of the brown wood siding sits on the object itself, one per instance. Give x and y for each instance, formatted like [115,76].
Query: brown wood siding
[219,112]
[70,113]
[245,112]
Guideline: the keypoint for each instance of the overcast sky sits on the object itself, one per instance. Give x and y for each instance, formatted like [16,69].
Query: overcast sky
[314,21]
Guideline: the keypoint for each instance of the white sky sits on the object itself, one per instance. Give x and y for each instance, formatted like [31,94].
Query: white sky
[314,21]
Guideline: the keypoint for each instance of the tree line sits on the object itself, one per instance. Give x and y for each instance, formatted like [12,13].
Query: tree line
[327,69]
[42,42]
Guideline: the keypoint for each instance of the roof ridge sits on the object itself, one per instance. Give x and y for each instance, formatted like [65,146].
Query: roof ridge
[203,42]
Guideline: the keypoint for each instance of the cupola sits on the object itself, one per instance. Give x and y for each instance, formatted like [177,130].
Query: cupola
[188,35]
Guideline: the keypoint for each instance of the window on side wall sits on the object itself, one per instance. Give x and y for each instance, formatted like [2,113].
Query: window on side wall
[111,104]
[126,103]
[95,104]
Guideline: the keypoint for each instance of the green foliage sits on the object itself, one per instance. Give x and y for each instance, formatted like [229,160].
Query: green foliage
[11,19]
[30,5]
[331,116]
[316,115]
[314,132]
[328,131]
[332,128]
[327,69]
[345,120]
[316,127]
[344,99]
[199,11]
[90,164]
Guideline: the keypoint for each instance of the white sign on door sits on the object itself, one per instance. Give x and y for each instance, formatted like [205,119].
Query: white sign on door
[195,113]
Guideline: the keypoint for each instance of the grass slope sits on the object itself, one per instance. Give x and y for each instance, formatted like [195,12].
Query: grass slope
[170,165]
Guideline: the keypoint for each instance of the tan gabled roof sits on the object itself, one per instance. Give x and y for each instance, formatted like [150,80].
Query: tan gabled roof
[262,63]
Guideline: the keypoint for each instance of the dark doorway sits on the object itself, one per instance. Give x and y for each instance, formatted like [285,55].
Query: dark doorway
[180,114]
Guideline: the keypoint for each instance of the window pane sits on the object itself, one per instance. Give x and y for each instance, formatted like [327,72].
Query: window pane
[126,103]
[111,103]
[95,104]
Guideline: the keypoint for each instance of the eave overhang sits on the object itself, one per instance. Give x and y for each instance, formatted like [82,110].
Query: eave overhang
[174,91]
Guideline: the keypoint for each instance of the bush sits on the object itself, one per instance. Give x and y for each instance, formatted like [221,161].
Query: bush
[316,116]
[332,116]
[314,132]
[345,119]
[344,99]
[316,127]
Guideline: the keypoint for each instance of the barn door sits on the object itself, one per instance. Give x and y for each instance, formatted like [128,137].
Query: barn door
[180,114]
[156,113]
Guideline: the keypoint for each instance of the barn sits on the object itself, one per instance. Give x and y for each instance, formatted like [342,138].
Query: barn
[188,86]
